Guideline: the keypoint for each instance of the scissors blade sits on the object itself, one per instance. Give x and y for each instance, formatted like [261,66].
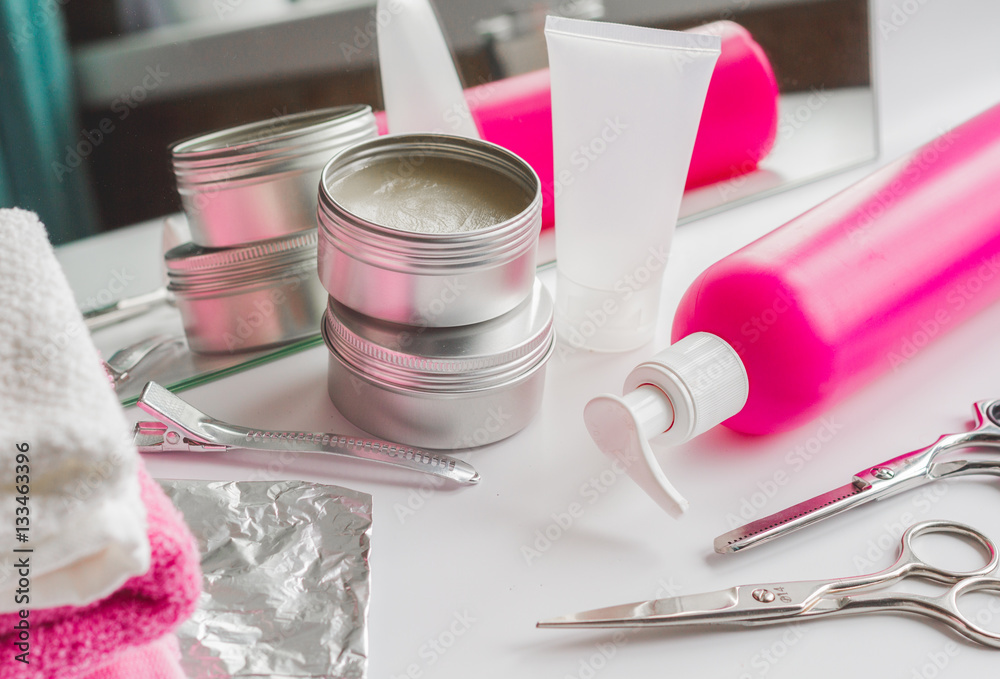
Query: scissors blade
[795,517]
[874,483]
[686,609]
[741,605]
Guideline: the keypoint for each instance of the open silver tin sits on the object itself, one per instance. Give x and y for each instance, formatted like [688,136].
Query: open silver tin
[443,388]
[258,181]
[241,299]
[428,279]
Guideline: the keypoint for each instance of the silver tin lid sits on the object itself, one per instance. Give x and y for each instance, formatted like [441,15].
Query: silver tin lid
[194,269]
[286,143]
[477,356]
[429,253]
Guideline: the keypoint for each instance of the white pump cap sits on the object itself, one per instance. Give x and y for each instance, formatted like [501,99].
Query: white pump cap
[683,391]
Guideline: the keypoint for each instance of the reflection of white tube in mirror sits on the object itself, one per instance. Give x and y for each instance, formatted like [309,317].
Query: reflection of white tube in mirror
[626,103]
[420,86]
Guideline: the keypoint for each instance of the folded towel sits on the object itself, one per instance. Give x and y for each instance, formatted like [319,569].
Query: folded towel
[72,640]
[84,515]
[158,660]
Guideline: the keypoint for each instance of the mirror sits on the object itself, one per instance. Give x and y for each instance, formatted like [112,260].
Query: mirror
[150,72]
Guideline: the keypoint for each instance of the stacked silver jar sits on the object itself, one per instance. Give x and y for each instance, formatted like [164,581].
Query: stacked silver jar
[248,281]
[437,327]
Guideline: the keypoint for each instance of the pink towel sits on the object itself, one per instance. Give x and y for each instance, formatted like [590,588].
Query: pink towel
[70,641]
[158,660]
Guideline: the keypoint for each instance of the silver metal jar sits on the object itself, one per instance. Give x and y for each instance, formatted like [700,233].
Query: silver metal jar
[241,299]
[442,388]
[258,181]
[428,279]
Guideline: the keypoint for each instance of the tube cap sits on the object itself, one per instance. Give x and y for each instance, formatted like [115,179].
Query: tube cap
[605,320]
[683,391]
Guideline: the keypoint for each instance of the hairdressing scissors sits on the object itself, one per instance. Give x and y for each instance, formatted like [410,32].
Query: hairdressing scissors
[881,481]
[786,602]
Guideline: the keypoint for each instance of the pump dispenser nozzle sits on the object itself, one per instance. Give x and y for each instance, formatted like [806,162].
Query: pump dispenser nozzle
[681,392]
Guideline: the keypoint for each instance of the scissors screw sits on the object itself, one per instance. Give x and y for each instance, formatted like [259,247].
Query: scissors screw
[883,473]
[765,596]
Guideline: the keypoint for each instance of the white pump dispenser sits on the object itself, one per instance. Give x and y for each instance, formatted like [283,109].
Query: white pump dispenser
[681,392]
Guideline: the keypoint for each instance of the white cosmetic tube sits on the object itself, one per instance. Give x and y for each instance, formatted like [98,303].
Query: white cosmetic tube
[626,103]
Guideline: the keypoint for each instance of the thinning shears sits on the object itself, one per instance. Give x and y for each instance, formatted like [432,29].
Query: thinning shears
[933,463]
[786,602]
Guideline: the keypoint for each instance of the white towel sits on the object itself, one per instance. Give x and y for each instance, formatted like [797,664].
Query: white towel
[85,519]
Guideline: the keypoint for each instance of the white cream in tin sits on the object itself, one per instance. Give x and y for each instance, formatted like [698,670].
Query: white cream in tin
[431,195]
[428,229]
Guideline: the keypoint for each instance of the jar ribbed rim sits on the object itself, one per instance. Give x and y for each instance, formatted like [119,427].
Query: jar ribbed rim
[396,249]
[511,346]
[194,268]
[266,147]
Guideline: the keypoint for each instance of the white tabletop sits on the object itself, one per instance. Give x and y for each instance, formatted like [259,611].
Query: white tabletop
[460,576]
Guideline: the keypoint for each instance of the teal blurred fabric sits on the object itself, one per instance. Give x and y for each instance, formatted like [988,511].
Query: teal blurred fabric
[38,127]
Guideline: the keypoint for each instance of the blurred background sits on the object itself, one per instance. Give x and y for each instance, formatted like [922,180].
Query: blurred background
[95,91]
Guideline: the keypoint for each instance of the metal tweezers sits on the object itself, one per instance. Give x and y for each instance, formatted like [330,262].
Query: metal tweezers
[882,480]
[180,427]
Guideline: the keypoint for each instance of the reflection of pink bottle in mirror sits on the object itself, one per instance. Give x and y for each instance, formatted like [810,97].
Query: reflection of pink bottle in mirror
[770,336]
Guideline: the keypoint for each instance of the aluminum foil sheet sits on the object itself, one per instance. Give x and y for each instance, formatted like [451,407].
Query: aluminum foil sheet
[286,579]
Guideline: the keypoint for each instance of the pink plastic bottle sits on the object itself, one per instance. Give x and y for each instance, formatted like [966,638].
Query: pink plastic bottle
[771,335]
[738,123]
[855,286]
